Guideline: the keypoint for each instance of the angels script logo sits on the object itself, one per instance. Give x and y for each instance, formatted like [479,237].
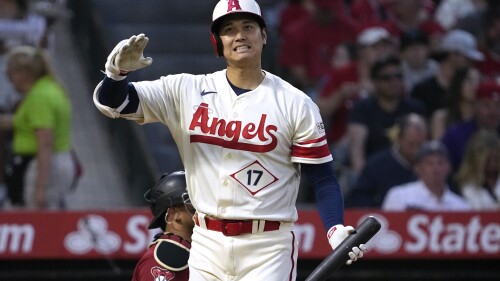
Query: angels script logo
[227,134]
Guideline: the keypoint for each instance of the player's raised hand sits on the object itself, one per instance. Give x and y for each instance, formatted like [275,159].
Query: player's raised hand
[337,234]
[128,55]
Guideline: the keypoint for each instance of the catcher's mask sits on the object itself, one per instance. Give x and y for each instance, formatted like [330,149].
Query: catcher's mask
[229,7]
[169,191]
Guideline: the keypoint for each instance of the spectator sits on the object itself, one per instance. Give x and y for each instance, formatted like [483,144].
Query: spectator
[458,50]
[490,67]
[486,116]
[449,12]
[167,256]
[41,132]
[370,118]
[308,46]
[476,22]
[346,85]
[415,61]
[399,16]
[459,101]
[53,11]
[411,14]
[430,192]
[293,11]
[391,166]
[371,11]
[479,174]
[19,25]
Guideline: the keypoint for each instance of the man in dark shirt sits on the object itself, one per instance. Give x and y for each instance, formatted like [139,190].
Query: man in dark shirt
[391,166]
[370,118]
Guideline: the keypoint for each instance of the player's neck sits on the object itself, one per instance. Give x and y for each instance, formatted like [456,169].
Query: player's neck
[245,78]
[183,233]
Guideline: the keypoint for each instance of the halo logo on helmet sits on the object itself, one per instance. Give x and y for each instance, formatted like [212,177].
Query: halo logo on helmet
[227,7]
[233,4]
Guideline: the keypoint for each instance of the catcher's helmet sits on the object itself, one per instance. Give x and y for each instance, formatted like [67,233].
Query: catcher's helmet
[228,7]
[169,191]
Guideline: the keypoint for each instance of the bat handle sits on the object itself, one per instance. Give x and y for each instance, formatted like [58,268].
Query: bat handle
[363,233]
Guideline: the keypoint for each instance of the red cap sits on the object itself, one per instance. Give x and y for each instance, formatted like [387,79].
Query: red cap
[488,90]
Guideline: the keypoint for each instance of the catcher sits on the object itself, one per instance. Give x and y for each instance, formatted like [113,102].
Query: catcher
[167,256]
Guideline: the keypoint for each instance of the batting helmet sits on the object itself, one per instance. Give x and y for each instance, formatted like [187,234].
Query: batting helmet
[228,7]
[169,191]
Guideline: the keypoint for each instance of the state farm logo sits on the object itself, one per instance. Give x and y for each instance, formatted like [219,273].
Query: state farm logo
[385,241]
[432,234]
[92,234]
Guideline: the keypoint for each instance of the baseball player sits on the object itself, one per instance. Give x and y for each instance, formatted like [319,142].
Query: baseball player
[167,256]
[245,136]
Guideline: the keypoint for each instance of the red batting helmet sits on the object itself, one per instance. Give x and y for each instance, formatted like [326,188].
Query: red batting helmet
[228,7]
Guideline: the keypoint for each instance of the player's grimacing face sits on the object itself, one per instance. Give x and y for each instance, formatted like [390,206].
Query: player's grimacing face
[241,38]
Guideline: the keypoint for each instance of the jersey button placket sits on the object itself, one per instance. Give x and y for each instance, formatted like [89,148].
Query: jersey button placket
[236,108]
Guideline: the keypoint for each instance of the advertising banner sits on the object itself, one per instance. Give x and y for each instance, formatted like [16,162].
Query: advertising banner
[123,234]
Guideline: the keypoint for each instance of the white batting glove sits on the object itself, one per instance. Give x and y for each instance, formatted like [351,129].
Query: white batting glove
[128,55]
[337,233]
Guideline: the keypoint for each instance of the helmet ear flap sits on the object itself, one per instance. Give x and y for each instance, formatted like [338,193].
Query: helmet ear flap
[217,43]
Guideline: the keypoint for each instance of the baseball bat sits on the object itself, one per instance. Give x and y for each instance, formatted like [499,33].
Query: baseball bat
[365,231]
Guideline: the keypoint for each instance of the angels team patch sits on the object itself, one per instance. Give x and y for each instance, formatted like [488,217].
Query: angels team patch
[321,127]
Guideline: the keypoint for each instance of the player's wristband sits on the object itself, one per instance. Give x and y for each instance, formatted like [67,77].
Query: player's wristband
[116,77]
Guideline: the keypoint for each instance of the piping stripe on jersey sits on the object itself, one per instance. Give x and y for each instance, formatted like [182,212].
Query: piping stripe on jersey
[310,152]
[313,141]
[293,252]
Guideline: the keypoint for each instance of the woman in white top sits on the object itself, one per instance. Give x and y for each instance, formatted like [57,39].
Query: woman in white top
[479,174]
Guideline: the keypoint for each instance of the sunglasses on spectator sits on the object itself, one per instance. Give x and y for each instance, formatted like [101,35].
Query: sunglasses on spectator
[390,76]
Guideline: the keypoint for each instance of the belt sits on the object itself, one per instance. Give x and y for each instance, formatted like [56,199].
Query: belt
[238,227]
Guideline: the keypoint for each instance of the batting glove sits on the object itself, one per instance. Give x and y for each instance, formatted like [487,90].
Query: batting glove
[127,56]
[336,234]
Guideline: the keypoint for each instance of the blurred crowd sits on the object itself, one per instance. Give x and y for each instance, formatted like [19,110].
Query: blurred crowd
[37,167]
[409,92]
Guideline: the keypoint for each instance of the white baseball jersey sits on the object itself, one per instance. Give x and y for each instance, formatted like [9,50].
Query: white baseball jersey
[240,153]
[416,196]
